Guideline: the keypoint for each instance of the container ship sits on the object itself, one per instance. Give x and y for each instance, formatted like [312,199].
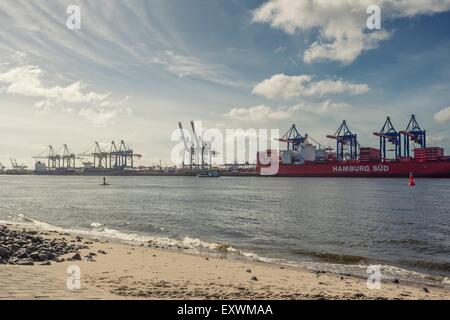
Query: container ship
[400,154]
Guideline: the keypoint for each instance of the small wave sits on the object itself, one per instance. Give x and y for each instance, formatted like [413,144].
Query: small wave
[99,230]
[430,265]
[341,258]
[96,225]
[333,257]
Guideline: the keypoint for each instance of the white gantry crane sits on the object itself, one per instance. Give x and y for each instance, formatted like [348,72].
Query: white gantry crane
[203,150]
[189,149]
[197,151]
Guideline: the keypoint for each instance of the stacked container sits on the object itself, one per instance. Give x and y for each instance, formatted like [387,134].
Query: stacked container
[331,156]
[286,157]
[369,154]
[428,154]
[321,155]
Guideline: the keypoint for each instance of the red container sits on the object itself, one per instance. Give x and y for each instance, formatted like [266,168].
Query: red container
[428,154]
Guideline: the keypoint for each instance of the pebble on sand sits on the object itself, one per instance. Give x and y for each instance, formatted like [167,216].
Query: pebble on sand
[23,247]
[75,257]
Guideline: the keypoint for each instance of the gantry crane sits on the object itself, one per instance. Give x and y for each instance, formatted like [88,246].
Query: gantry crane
[414,134]
[68,158]
[16,166]
[100,156]
[189,148]
[346,143]
[388,134]
[114,155]
[52,157]
[203,147]
[126,155]
[118,157]
[293,138]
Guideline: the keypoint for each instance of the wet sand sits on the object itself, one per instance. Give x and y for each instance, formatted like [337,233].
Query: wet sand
[132,271]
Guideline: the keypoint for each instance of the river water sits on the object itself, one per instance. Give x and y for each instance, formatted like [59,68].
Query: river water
[340,225]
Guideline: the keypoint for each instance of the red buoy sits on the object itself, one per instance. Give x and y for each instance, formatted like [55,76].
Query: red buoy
[411,183]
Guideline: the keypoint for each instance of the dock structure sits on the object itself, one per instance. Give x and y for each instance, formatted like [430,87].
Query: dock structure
[116,157]
[57,160]
[197,151]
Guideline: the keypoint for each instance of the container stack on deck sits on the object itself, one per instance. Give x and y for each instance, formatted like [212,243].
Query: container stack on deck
[368,154]
[321,155]
[428,154]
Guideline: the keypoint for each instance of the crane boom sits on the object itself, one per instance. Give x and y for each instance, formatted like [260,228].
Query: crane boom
[185,141]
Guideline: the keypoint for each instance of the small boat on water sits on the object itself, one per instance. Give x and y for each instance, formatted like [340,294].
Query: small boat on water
[209,174]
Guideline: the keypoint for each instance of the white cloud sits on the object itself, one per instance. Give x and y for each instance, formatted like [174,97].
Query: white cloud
[323,107]
[281,86]
[443,115]
[101,117]
[188,66]
[345,48]
[183,65]
[436,139]
[341,23]
[264,113]
[286,87]
[27,81]
[260,113]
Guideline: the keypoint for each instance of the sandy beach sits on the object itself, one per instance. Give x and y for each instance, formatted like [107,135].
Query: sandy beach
[136,271]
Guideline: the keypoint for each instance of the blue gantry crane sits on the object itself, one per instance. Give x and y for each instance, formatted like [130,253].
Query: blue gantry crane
[293,138]
[388,135]
[346,143]
[414,134]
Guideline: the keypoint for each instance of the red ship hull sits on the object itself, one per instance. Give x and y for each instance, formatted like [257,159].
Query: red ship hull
[358,169]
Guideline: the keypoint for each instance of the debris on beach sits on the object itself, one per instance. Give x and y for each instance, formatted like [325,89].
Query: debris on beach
[89,258]
[21,247]
[75,257]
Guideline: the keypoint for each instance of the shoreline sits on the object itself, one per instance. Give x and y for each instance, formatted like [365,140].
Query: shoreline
[200,247]
[138,271]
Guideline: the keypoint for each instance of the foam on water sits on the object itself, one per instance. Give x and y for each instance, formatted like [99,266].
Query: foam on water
[196,245]
[99,230]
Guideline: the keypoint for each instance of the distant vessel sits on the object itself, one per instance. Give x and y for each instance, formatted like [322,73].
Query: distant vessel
[209,174]
[302,159]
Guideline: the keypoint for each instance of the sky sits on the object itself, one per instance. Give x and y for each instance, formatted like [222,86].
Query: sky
[136,68]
